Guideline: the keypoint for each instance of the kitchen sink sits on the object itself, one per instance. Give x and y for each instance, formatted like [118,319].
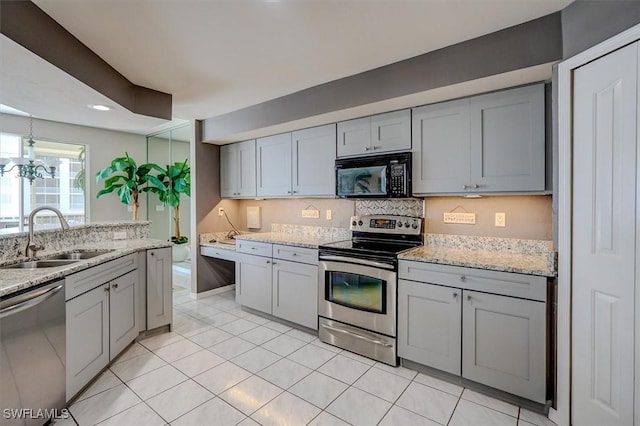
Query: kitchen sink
[36,264]
[78,255]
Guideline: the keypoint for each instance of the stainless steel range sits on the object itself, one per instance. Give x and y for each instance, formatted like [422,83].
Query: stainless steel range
[358,285]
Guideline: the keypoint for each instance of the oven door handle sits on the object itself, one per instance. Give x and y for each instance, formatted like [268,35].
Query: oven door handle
[357,261]
[357,336]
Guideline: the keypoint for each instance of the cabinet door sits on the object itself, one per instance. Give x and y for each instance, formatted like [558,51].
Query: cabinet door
[441,148]
[504,344]
[87,333]
[295,292]
[123,313]
[313,154]
[159,288]
[274,165]
[253,282]
[246,169]
[354,137]
[508,140]
[391,131]
[228,171]
[430,325]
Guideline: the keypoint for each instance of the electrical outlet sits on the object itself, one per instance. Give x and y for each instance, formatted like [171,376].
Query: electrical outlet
[501,219]
[221,211]
[129,208]
[329,215]
[160,207]
[120,235]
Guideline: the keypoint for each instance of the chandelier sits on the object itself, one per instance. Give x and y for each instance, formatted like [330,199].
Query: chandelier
[27,167]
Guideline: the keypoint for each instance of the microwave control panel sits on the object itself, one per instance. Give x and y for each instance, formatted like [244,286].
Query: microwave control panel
[398,182]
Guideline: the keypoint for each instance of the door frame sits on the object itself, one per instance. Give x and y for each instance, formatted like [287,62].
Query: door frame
[562,414]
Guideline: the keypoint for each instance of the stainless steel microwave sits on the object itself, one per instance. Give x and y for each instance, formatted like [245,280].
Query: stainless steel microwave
[376,176]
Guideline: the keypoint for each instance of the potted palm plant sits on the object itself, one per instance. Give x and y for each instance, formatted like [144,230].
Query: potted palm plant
[174,180]
[124,177]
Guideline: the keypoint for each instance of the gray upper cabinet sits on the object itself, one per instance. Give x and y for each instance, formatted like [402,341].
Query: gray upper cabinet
[375,134]
[485,144]
[508,140]
[441,151]
[313,155]
[238,170]
[273,158]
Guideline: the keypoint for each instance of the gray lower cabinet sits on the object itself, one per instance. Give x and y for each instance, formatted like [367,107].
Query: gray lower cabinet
[484,144]
[159,288]
[429,325]
[504,343]
[87,332]
[295,292]
[253,282]
[450,318]
[123,312]
[278,280]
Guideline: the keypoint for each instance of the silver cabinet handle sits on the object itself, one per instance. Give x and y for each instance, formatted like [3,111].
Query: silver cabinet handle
[274,263]
[463,278]
[455,295]
[288,192]
[106,288]
[465,186]
[356,261]
[368,148]
[268,262]
[376,147]
[294,254]
[468,297]
[115,285]
[476,186]
[153,254]
[295,192]
[357,336]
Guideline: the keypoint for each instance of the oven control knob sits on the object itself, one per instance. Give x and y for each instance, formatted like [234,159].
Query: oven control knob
[354,223]
[414,226]
[360,223]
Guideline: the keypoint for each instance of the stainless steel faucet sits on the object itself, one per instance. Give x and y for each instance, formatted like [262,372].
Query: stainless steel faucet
[33,248]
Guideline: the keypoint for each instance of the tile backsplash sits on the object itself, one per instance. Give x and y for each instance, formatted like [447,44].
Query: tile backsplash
[403,207]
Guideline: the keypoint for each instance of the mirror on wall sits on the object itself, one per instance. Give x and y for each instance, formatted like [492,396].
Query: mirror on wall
[165,148]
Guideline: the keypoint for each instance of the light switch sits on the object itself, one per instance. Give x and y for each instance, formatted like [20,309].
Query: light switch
[501,219]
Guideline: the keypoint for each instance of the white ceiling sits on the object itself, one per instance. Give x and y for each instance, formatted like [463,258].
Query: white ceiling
[217,56]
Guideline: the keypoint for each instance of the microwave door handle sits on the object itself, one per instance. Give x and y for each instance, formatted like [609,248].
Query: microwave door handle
[356,261]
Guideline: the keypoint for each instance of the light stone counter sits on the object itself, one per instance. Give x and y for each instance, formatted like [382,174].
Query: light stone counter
[529,257]
[12,280]
[287,239]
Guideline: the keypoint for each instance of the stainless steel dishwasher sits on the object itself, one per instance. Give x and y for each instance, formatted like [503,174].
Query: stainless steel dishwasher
[32,355]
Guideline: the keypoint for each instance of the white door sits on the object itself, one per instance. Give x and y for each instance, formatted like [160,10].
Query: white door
[604,239]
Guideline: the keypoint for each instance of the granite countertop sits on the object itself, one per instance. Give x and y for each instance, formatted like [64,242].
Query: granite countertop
[543,264]
[13,280]
[288,239]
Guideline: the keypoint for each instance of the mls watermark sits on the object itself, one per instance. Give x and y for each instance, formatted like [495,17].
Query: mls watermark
[37,413]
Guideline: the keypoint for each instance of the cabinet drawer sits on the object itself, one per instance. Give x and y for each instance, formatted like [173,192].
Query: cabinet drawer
[219,253]
[254,247]
[504,283]
[296,254]
[88,279]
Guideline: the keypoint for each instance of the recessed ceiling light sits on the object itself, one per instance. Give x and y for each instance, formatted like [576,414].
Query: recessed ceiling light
[100,107]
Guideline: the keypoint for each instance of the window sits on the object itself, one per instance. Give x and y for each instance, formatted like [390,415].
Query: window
[64,192]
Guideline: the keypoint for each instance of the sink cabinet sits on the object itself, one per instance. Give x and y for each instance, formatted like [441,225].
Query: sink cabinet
[101,320]
[487,326]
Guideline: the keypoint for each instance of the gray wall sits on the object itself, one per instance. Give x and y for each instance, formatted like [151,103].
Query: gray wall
[532,43]
[586,23]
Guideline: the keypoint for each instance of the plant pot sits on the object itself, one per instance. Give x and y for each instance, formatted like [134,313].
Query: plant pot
[180,252]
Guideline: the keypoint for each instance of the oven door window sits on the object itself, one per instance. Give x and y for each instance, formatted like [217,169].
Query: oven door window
[356,291]
[362,181]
